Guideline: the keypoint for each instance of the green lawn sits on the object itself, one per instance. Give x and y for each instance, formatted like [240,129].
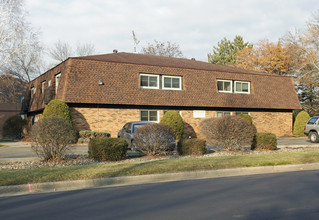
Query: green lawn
[23,176]
[2,145]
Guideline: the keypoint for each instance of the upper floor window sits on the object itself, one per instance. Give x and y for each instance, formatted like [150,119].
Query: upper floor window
[33,91]
[242,87]
[57,82]
[49,83]
[172,82]
[149,81]
[43,87]
[224,85]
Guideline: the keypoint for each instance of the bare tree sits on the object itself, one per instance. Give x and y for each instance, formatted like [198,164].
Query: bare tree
[85,49]
[166,49]
[62,51]
[15,33]
[304,50]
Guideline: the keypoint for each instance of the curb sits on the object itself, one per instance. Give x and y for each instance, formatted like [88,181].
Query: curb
[144,179]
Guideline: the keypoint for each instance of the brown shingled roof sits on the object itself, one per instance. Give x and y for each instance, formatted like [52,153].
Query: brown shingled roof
[120,74]
[143,59]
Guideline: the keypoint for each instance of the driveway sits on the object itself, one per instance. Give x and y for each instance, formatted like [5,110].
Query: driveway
[22,151]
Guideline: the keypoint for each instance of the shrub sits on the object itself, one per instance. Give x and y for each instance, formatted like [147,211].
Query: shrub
[192,147]
[264,141]
[13,127]
[300,123]
[204,127]
[247,117]
[57,108]
[154,139]
[107,149]
[230,132]
[51,138]
[174,120]
[86,135]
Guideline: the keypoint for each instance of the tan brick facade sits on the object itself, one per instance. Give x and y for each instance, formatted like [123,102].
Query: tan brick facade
[111,120]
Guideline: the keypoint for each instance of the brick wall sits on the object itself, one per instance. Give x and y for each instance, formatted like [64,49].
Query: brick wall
[112,120]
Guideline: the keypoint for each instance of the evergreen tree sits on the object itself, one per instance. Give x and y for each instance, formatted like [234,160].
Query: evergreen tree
[225,52]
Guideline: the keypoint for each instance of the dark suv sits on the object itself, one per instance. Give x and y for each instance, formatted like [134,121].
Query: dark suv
[312,128]
[128,130]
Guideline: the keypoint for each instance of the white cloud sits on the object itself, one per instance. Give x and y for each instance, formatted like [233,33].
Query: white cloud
[196,25]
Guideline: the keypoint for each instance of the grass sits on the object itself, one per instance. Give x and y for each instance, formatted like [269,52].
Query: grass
[6,140]
[2,145]
[37,175]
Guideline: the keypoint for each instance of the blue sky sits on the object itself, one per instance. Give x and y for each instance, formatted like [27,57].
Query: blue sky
[196,25]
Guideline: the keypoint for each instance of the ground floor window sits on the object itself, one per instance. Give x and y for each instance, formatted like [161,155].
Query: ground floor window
[221,114]
[149,115]
[242,113]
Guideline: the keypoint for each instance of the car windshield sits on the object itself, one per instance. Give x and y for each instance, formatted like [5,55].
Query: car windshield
[312,121]
[135,127]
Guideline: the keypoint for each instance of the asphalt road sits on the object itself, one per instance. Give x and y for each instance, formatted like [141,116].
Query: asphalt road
[292,195]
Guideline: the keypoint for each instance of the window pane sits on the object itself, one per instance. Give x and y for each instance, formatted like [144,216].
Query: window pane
[244,87]
[153,81]
[227,86]
[167,82]
[175,83]
[144,80]
[144,115]
[153,115]
[226,113]
[220,86]
[238,87]
[219,114]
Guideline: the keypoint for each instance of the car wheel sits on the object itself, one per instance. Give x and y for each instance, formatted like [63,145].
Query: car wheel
[314,138]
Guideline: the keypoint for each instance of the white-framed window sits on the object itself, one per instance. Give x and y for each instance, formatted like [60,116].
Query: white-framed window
[225,85]
[43,86]
[49,83]
[242,87]
[57,82]
[222,114]
[33,90]
[172,82]
[242,113]
[149,115]
[149,81]
[199,114]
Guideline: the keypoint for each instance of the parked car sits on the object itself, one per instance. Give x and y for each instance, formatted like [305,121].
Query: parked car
[312,128]
[128,130]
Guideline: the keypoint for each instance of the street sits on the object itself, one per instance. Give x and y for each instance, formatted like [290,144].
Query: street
[292,195]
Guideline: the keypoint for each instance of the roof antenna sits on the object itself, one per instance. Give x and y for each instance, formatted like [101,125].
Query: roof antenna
[136,41]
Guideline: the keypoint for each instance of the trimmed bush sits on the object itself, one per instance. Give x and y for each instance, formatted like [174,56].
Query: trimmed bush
[230,132]
[86,135]
[174,120]
[191,147]
[247,117]
[154,139]
[107,149]
[300,123]
[57,108]
[51,138]
[264,141]
[13,127]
